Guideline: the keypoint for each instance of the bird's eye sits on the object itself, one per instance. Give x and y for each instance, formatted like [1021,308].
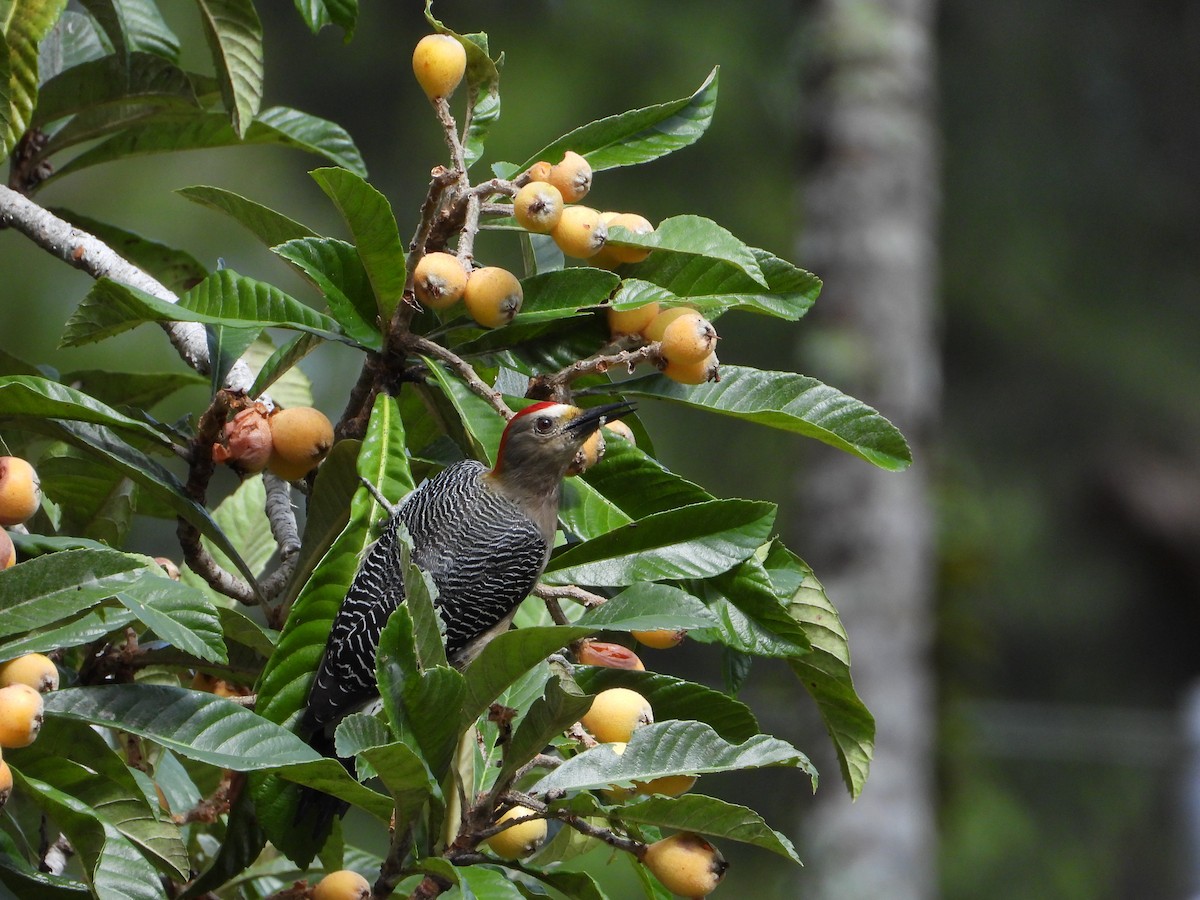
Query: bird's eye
[543,425]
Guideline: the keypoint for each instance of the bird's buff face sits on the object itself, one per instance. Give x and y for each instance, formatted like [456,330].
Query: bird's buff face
[544,438]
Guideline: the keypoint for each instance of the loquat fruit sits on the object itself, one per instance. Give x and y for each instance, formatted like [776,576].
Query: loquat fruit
[520,839]
[168,566]
[439,280]
[611,656]
[588,455]
[21,710]
[540,171]
[32,669]
[538,207]
[6,783]
[572,177]
[660,638]
[686,864]
[669,785]
[439,62]
[344,884]
[658,325]
[688,339]
[579,232]
[638,225]
[8,552]
[615,713]
[708,369]
[493,296]
[623,322]
[622,430]
[246,442]
[301,437]
[20,491]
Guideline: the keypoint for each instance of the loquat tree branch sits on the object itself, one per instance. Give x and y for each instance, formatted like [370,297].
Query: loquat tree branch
[86,252]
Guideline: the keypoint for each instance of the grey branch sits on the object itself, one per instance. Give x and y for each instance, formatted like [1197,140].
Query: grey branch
[89,254]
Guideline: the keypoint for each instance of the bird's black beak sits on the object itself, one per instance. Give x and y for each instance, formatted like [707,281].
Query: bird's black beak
[594,417]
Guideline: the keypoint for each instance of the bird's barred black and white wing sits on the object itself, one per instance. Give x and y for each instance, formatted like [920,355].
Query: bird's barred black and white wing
[477,592]
[345,678]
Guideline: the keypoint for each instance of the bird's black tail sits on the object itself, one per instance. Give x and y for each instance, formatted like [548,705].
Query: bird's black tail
[315,808]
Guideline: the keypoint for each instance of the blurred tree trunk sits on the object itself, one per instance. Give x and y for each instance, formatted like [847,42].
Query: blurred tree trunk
[870,206]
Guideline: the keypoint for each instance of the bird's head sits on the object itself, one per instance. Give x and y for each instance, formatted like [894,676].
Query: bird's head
[541,440]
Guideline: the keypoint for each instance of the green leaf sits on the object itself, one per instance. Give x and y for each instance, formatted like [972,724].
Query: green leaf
[138,390]
[157,481]
[405,692]
[551,296]
[112,864]
[670,748]
[76,760]
[674,698]
[142,79]
[638,485]
[358,732]
[24,23]
[714,286]
[48,589]
[789,402]
[226,344]
[224,298]
[506,658]
[708,815]
[133,25]
[96,502]
[336,270]
[234,36]
[75,631]
[639,135]
[482,425]
[404,775]
[26,396]
[751,617]
[561,706]
[204,130]
[825,672]
[696,236]
[373,226]
[643,607]
[276,369]
[194,724]
[328,512]
[690,542]
[319,13]
[264,223]
[180,615]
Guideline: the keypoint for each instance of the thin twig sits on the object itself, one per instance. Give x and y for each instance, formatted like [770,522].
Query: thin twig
[466,237]
[419,344]
[556,386]
[282,517]
[586,599]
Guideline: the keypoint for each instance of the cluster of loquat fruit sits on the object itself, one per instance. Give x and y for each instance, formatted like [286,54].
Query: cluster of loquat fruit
[290,443]
[684,862]
[546,201]
[20,498]
[22,682]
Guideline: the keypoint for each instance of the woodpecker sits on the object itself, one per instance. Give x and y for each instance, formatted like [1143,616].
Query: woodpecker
[484,536]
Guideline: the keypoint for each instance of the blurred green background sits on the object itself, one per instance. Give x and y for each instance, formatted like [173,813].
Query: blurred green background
[1066,470]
